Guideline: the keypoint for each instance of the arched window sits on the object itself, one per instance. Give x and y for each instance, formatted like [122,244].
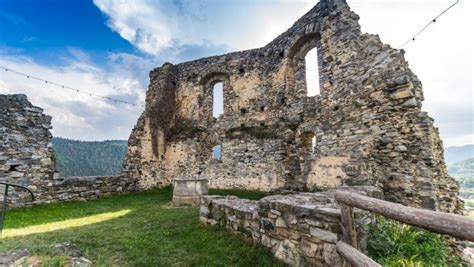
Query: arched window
[312,73]
[308,141]
[217,99]
[217,152]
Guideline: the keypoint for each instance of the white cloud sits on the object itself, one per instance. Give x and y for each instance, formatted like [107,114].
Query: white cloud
[153,26]
[76,115]
[441,56]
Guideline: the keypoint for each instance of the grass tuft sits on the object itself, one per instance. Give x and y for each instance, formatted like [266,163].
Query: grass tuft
[391,243]
[253,195]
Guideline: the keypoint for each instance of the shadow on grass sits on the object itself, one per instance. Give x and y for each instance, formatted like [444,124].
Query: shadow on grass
[47,213]
[150,234]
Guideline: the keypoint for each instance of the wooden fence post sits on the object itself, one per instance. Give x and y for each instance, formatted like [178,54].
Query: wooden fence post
[349,234]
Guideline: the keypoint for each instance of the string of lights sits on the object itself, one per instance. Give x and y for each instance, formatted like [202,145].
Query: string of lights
[28,76]
[427,25]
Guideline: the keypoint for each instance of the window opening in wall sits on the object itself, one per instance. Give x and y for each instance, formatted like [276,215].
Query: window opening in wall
[262,108]
[309,142]
[243,110]
[12,168]
[312,73]
[217,152]
[217,99]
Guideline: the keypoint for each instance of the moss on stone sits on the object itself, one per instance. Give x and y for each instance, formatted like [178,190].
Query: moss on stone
[259,132]
[183,130]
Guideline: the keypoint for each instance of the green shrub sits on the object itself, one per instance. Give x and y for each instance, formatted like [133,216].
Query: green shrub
[391,243]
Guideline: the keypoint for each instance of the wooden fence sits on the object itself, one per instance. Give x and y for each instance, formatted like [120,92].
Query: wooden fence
[439,222]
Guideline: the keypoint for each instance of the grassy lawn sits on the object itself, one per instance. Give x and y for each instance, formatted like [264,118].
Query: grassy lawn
[131,230]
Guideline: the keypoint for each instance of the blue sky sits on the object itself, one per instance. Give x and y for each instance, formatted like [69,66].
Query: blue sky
[109,46]
[45,29]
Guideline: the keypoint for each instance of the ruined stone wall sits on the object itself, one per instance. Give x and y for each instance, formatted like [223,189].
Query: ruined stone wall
[367,119]
[26,154]
[299,229]
[27,159]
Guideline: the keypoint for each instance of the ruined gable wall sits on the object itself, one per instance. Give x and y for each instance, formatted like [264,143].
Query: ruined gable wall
[367,120]
[27,159]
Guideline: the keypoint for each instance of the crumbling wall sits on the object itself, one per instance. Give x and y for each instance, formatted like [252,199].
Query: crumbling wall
[27,159]
[26,154]
[299,229]
[367,120]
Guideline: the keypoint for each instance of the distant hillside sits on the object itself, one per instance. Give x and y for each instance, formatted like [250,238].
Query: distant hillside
[463,171]
[81,158]
[464,167]
[456,154]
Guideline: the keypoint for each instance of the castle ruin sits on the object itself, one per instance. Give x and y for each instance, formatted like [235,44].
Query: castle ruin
[365,127]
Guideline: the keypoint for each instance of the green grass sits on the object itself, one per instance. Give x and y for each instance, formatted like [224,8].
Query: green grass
[254,195]
[391,243]
[139,229]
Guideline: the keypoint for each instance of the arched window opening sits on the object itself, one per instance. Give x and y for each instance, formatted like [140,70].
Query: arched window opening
[308,141]
[312,73]
[217,99]
[217,152]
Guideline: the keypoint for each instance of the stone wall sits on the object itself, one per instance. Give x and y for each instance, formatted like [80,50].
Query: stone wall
[87,187]
[27,159]
[26,154]
[299,229]
[367,120]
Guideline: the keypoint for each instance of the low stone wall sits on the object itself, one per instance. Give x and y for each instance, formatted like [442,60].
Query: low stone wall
[71,188]
[299,229]
[89,187]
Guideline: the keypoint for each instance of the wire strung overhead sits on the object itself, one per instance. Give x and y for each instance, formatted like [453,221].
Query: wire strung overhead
[427,25]
[70,88]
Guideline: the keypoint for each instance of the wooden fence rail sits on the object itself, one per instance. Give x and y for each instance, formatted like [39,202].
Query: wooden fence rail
[353,256]
[439,222]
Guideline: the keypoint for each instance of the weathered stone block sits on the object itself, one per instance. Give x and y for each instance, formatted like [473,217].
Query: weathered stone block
[189,190]
[323,235]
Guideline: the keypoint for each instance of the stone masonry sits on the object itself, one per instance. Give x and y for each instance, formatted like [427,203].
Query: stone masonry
[26,155]
[367,120]
[299,229]
[27,159]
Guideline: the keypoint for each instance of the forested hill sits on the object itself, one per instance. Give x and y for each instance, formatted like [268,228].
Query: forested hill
[82,158]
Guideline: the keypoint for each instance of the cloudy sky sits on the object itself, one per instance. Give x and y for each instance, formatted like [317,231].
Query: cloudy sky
[109,46]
